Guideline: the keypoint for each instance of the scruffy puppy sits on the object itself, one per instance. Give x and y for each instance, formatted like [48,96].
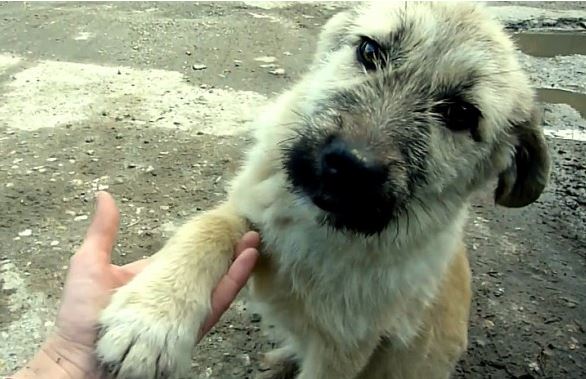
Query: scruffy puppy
[359,183]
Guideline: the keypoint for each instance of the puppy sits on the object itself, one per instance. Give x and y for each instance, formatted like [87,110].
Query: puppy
[359,183]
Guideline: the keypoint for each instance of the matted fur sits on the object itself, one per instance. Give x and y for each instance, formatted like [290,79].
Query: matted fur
[391,300]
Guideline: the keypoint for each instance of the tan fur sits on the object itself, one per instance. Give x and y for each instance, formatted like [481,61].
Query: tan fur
[345,305]
[155,310]
[443,336]
[432,354]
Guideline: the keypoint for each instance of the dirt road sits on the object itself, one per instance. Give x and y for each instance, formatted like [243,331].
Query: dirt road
[152,101]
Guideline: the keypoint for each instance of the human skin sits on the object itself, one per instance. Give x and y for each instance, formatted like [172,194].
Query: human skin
[92,278]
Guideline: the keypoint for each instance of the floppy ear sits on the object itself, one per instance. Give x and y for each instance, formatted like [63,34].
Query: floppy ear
[523,181]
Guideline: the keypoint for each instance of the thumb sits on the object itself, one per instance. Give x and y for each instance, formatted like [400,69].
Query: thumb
[104,227]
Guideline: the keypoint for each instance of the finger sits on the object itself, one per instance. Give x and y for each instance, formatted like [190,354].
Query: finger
[230,285]
[136,267]
[249,240]
[102,231]
[124,274]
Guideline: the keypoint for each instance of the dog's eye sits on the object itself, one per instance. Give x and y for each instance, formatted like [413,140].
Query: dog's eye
[459,115]
[370,54]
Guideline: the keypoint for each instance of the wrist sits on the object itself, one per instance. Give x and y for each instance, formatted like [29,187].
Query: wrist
[59,358]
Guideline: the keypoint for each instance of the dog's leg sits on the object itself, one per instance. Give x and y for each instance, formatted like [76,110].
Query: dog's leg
[277,356]
[326,361]
[150,327]
[280,363]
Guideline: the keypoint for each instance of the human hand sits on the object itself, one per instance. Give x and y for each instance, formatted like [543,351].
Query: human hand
[92,279]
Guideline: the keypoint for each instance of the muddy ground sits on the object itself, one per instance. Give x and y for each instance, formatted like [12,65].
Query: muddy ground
[115,96]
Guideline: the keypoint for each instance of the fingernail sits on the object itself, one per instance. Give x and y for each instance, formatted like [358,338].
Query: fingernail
[97,197]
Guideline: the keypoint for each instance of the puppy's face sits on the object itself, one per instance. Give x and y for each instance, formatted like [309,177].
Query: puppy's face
[412,104]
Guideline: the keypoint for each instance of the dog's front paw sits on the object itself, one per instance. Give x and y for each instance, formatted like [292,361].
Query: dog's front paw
[278,364]
[143,342]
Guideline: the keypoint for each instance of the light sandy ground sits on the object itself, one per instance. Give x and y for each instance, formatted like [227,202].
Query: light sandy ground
[53,94]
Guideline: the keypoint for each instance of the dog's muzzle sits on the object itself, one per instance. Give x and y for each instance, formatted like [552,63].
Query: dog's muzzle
[344,181]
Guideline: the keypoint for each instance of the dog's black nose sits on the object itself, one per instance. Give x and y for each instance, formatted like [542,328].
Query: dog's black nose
[350,170]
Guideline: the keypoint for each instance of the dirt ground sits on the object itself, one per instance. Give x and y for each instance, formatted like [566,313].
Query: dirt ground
[116,97]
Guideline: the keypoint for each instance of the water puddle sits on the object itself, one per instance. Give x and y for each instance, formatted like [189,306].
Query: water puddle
[547,44]
[558,96]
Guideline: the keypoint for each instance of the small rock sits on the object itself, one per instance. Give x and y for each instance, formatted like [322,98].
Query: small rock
[188,52]
[278,71]
[150,169]
[199,66]
[25,233]
[164,207]
[570,303]
[480,342]
[488,324]
[265,59]
[255,318]
[54,243]
[80,218]
[245,358]
[549,22]
[572,346]
[534,366]
[287,53]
